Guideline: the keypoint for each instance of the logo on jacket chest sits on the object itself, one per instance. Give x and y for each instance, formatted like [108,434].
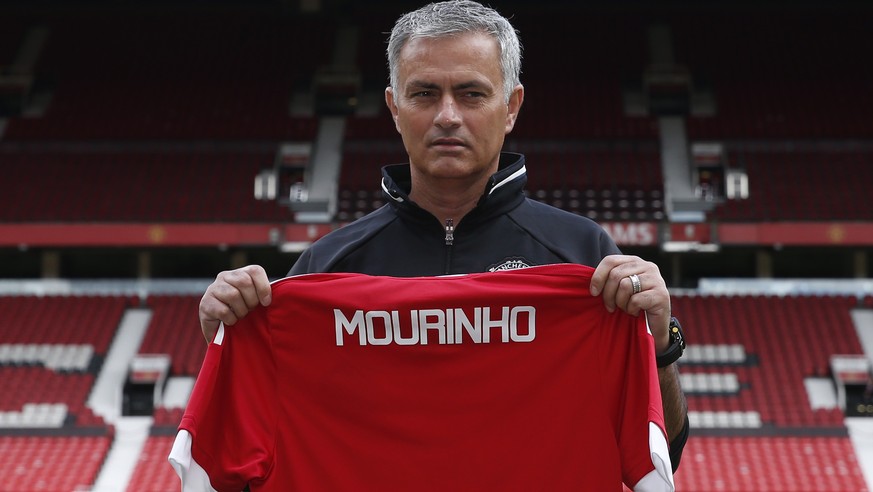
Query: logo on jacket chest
[513,263]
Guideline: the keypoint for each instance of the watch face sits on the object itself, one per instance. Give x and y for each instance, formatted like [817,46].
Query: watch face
[676,332]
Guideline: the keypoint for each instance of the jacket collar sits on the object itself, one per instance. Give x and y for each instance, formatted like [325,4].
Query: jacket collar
[503,192]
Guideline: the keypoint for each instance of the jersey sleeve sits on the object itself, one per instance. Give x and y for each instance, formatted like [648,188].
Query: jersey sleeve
[227,433]
[641,435]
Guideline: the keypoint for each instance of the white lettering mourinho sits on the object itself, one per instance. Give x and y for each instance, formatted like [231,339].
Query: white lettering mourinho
[437,326]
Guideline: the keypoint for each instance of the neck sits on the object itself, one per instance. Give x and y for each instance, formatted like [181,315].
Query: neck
[447,198]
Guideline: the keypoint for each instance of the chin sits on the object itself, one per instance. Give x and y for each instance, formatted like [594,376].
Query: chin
[451,168]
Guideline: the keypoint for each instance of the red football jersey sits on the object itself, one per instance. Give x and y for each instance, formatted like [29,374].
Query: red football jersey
[513,380]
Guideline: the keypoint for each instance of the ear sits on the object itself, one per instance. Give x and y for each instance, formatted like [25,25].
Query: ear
[514,106]
[392,106]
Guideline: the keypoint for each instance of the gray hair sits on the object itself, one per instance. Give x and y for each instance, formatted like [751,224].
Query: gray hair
[457,17]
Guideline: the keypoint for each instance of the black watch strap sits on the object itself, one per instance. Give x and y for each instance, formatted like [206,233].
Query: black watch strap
[676,347]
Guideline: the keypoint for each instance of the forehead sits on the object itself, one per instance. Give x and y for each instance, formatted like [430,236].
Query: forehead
[473,53]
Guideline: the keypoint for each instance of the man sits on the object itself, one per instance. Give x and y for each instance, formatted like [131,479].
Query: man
[458,206]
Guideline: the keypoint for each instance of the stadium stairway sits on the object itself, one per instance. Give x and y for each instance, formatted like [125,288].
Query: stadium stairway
[131,434]
[105,400]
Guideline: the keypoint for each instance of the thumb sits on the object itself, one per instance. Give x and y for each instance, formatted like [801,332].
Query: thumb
[209,328]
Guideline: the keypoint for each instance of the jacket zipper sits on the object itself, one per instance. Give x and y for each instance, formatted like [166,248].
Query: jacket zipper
[450,239]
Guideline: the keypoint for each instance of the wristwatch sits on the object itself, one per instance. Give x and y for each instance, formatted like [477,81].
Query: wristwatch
[676,347]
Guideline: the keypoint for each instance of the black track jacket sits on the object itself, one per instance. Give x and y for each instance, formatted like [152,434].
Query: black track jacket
[505,230]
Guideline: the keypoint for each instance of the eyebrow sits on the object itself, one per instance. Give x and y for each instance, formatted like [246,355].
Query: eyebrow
[420,84]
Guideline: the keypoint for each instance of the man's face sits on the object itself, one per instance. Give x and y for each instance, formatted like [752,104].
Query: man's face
[450,107]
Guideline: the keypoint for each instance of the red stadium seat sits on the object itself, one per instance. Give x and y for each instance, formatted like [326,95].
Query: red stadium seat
[153,472]
[768,327]
[51,463]
[769,464]
[175,330]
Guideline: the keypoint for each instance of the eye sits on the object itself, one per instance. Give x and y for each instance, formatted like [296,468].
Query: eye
[421,94]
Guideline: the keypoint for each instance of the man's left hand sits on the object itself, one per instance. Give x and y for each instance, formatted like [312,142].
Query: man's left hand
[613,280]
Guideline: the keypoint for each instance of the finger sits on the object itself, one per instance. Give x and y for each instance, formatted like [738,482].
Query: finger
[262,284]
[634,302]
[213,312]
[613,291]
[620,286]
[249,295]
[230,297]
[639,303]
[233,284]
[252,283]
[624,296]
[230,306]
[601,274]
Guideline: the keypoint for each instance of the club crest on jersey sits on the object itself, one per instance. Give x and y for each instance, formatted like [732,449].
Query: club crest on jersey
[516,263]
[437,326]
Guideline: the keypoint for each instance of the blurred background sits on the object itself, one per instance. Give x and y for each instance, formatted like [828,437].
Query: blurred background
[147,146]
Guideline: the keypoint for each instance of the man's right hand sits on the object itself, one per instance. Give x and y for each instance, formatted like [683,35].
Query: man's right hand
[231,296]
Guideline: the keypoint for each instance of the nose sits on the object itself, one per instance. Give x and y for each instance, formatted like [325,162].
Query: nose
[447,115]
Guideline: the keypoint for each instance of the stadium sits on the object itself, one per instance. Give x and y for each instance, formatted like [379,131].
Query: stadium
[147,146]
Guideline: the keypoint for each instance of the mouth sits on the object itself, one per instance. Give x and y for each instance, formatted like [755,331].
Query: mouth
[448,143]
